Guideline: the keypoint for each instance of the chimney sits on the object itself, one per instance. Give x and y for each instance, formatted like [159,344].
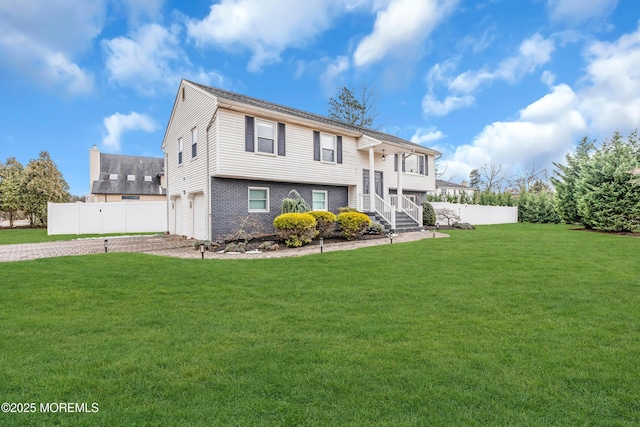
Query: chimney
[94,169]
[464,183]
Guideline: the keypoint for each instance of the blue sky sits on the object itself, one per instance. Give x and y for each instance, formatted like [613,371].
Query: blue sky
[506,82]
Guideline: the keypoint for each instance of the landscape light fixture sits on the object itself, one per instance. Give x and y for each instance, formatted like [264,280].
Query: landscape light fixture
[391,236]
[202,249]
[321,244]
[105,245]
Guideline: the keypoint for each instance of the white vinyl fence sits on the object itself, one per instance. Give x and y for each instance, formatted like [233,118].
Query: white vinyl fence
[478,214]
[102,218]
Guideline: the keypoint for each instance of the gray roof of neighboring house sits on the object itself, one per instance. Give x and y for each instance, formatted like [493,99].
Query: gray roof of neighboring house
[231,96]
[129,165]
[442,184]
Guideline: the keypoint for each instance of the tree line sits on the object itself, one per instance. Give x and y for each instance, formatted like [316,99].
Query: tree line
[26,190]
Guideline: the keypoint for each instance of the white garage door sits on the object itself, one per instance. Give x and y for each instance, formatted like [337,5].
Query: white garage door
[178,216]
[199,217]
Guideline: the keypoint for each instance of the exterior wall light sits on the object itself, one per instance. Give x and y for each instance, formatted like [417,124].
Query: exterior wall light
[384,157]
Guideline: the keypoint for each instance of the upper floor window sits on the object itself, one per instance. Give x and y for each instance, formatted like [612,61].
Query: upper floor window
[194,142]
[266,137]
[412,163]
[179,151]
[328,147]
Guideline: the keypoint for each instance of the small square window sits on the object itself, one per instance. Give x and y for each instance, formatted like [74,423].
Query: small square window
[319,200]
[148,178]
[131,177]
[258,199]
[113,177]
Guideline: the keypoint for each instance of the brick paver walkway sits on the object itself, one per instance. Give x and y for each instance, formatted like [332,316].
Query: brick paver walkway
[174,246]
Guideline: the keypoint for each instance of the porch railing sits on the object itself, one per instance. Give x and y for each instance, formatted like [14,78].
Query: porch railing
[412,209]
[381,207]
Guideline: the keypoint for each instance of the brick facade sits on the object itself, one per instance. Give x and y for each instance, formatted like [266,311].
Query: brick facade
[230,200]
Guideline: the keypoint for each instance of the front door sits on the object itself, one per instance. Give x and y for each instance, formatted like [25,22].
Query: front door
[378,183]
[379,187]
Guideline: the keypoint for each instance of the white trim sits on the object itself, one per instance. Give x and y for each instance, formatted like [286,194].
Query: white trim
[194,141]
[256,143]
[335,148]
[266,189]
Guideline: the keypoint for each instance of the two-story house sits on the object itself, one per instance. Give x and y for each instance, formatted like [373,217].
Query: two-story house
[228,156]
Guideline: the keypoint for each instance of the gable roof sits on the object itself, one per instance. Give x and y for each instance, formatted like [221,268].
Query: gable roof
[446,184]
[123,166]
[259,103]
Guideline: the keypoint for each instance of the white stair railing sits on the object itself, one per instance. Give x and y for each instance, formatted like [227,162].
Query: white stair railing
[412,209]
[385,210]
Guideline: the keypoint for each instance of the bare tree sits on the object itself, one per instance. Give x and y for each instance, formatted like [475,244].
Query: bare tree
[492,176]
[356,109]
[526,178]
[448,214]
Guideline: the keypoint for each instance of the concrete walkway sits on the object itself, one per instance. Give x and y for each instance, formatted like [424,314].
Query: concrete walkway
[174,246]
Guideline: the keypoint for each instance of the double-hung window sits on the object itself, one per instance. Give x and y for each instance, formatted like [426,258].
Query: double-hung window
[258,199]
[266,137]
[194,142]
[411,163]
[328,147]
[179,151]
[319,200]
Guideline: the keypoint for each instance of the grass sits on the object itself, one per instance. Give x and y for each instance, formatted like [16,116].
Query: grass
[11,236]
[506,325]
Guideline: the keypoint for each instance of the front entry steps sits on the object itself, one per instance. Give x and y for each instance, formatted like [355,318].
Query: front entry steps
[404,223]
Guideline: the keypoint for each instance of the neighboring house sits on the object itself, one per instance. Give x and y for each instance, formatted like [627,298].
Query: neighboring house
[446,188]
[229,155]
[118,178]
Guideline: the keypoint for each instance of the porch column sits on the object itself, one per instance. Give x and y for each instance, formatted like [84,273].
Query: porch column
[372,179]
[399,199]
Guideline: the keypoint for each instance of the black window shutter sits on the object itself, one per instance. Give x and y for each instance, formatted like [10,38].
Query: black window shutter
[421,165]
[403,169]
[426,165]
[339,149]
[395,162]
[316,145]
[281,140]
[248,133]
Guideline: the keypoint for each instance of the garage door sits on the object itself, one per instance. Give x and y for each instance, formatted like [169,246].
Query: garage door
[199,217]
[178,216]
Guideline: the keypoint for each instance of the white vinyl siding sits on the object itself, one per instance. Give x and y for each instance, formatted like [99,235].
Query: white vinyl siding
[258,199]
[320,200]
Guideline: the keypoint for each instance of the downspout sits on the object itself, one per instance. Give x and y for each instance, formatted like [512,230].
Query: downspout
[209,219]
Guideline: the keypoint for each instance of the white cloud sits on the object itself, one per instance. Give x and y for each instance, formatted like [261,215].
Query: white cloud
[152,59]
[544,132]
[400,28]
[611,96]
[117,124]
[30,45]
[431,106]
[264,27]
[578,11]
[139,10]
[330,78]
[532,53]
[425,136]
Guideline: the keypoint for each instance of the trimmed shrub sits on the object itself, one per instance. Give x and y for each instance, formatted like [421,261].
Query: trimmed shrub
[296,229]
[428,214]
[375,228]
[346,209]
[463,226]
[236,247]
[325,222]
[353,224]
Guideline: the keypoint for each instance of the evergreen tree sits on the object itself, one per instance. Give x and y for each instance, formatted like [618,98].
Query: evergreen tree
[11,188]
[43,183]
[565,178]
[607,196]
[475,180]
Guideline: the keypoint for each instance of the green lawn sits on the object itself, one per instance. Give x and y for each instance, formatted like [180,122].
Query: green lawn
[506,325]
[11,236]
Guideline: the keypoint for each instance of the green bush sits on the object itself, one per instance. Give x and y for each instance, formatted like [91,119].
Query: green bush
[294,203]
[346,209]
[353,224]
[296,229]
[325,222]
[375,228]
[428,214]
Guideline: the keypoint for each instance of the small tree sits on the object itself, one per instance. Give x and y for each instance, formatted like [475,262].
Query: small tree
[356,110]
[428,214]
[43,183]
[294,203]
[449,214]
[11,188]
